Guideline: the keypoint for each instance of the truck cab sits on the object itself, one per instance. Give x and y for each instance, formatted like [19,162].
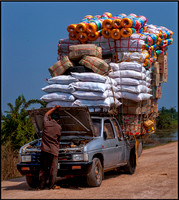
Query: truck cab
[91,144]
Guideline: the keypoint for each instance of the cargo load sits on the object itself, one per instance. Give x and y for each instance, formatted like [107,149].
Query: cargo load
[117,63]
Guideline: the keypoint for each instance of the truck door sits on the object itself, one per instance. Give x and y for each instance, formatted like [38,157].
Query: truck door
[110,149]
[121,148]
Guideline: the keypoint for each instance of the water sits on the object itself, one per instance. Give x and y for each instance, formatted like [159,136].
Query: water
[161,137]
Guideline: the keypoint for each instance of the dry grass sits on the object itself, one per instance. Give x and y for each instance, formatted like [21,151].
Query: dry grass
[9,160]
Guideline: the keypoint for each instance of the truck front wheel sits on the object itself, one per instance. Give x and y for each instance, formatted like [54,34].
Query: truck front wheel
[94,178]
[32,181]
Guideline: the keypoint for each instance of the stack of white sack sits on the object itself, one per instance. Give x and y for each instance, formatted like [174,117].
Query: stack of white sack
[59,91]
[95,90]
[133,81]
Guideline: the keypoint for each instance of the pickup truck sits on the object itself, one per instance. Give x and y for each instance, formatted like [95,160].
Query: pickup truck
[91,144]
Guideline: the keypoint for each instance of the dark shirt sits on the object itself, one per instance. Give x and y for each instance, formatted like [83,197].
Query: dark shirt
[51,136]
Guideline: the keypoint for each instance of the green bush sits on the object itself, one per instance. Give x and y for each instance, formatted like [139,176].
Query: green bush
[16,130]
[166,118]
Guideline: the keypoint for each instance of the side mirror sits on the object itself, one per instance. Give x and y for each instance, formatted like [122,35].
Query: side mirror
[104,135]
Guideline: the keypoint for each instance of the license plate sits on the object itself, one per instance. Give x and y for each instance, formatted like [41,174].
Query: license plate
[58,165]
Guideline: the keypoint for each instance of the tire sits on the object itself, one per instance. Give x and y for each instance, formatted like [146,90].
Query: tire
[32,181]
[95,176]
[131,165]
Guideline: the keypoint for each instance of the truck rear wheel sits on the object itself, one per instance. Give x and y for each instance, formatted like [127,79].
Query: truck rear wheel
[32,181]
[94,178]
[131,165]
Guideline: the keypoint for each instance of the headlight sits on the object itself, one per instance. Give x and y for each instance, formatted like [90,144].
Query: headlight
[86,158]
[78,157]
[26,158]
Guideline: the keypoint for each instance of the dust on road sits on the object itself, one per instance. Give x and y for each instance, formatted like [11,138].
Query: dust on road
[156,177]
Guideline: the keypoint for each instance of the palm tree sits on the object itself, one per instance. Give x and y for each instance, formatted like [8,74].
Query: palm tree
[16,126]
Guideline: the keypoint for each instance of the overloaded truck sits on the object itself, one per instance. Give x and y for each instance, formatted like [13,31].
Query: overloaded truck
[91,144]
[107,81]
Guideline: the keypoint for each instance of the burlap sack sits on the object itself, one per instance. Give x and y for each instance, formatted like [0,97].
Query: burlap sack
[98,65]
[77,51]
[60,67]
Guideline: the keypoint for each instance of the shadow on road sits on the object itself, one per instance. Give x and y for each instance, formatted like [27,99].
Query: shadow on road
[75,183]
[78,183]
[19,179]
[112,174]
[21,186]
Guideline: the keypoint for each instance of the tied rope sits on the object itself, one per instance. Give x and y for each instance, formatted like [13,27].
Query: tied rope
[113,110]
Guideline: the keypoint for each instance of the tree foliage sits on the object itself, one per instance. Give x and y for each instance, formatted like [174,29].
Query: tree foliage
[166,117]
[16,125]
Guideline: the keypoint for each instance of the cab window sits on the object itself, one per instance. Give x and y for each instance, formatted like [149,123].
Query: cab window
[97,127]
[108,129]
[117,129]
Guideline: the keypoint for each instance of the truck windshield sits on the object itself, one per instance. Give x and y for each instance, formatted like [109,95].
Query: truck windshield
[97,127]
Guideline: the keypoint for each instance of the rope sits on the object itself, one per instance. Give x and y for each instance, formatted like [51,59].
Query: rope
[136,149]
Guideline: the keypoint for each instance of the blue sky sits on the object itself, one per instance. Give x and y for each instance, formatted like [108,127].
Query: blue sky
[30,32]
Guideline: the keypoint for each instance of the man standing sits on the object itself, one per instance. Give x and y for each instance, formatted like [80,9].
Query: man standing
[50,149]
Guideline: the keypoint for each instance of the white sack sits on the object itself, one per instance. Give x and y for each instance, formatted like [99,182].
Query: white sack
[136,97]
[134,65]
[90,86]
[128,44]
[129,81]
[110,81]
[135,36]
[89,95]
[89,77]
[111,93]
[148,80]
[148,84]
[97,103]
[132,56]
[127,74]
[57,96]
[153,29]
[114,88]
[96,95]
[148,73]
[62,79]
[58,88]
[61,103]
[134,89]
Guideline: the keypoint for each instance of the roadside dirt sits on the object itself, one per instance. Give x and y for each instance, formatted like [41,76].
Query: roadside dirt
[156,177]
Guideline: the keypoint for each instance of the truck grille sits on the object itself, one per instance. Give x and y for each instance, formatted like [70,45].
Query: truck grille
[36,158]
[65,157]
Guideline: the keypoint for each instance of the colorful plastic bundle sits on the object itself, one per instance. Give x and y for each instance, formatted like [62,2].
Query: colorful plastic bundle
[81,27]
[94,25]
[94,36]
[118,27]
[104,24]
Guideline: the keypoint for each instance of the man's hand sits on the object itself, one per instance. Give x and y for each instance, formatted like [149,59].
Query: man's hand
[51,110]
[57,106]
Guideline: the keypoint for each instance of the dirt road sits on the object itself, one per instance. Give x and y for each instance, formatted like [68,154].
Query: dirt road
[156,177]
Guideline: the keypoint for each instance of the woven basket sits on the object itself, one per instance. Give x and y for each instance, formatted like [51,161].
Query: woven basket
[77,51]
[96,64]
[60,67]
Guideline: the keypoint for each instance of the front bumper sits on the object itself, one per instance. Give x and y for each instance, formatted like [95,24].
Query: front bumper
[64,168]
[28,168]
[74,168]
